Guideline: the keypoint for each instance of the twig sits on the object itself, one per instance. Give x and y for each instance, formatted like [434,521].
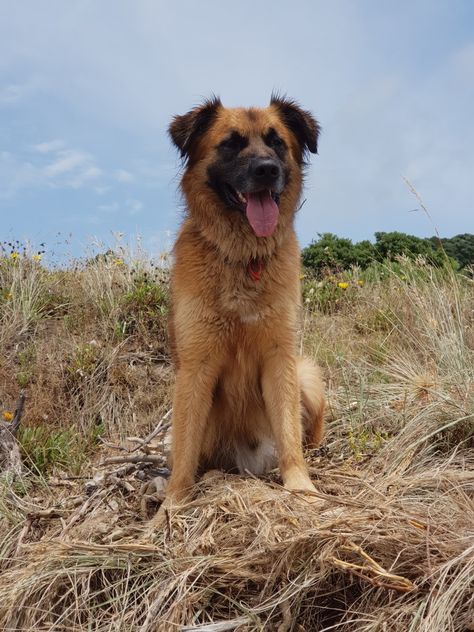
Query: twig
[219,626]
[113,446]
[160,426]
[373,572]
[83,510]
[52,512]
[18,413]
[23,534]
[139,458]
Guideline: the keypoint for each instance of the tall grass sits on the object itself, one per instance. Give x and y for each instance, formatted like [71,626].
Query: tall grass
[388,546]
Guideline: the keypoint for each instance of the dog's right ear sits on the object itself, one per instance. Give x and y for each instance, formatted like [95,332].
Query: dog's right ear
[186,129]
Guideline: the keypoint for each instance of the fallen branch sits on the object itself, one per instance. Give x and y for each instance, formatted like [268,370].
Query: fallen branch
[139,458]
[162,425]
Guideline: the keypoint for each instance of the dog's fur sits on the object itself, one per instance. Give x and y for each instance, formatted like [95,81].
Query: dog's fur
[242,395]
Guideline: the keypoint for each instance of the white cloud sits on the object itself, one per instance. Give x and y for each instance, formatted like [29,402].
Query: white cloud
[101,190]
[463,62]
[49,146]
[49,164]
[121,175]
[108,208]
[10,94]
[131,206]
[13,93]
[134,206]
[65,162]
[71,168]
[16,174]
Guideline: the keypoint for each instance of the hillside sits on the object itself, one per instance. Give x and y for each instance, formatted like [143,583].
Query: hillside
[388,546]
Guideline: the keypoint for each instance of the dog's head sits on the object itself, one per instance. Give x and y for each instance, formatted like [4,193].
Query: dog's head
[250,161]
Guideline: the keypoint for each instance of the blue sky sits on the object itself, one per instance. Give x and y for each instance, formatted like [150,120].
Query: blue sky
[87,90]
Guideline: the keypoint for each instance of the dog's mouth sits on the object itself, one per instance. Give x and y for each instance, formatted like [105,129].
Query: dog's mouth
[260,207]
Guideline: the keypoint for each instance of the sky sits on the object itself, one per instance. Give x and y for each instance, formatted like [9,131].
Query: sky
[87,90]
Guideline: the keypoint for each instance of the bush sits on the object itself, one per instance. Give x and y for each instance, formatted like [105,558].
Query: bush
[332,253]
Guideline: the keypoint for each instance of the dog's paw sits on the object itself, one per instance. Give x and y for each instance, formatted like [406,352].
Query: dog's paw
[302,486]
[162,520]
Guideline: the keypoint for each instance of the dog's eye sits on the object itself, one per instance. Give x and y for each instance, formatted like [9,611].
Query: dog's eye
[272,139]
[235,142]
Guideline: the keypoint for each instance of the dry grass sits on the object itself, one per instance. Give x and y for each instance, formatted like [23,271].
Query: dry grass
[389,546]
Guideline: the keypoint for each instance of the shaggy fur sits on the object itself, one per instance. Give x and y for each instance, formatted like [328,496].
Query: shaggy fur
[242,396]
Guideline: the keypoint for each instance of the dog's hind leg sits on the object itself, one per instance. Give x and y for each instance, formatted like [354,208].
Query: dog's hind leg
[313,402]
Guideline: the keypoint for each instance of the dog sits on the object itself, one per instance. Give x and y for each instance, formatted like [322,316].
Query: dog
[242,396]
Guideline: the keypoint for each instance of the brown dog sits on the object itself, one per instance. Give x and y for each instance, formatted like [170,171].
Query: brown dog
[241,391]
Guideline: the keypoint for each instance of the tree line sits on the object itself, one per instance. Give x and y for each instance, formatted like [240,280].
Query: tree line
[330,252]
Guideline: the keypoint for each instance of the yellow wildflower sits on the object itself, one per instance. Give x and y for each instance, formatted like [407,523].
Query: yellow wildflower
[118,262]
[14,255]
[36,257]
[360,282]
[343,285]
[7,415]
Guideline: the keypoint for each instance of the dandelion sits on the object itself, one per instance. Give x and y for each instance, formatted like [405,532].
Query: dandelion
[343,285]
[36,257]
[14,255]
[7,415]
[118,262]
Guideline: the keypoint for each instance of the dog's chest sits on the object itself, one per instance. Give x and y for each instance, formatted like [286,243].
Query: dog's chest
[239,379]
[245,298]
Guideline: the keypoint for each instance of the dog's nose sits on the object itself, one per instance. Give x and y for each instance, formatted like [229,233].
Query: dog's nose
[265,171]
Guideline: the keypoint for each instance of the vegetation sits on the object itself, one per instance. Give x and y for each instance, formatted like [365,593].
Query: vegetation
[330,252]
[460,248]
[389,540]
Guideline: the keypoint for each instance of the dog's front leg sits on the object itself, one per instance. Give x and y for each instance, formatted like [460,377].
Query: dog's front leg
[281,396]
[192,403]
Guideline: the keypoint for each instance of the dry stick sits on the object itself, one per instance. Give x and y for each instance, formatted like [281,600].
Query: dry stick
[113,446]
[83,510]
[160,426]
[374,573]
[219,626]
[22,536]
[140,458]
[18,413]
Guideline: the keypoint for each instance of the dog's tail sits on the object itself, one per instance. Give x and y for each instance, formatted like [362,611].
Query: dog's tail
[313,402]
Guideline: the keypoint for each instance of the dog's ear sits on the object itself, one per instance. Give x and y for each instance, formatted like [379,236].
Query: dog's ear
[186,129]
[303,124]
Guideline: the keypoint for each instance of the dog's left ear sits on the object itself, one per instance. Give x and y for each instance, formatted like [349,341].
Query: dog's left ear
[302,123]
[186,129]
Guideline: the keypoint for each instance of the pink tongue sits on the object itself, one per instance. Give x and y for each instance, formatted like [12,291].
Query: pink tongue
[262,213]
